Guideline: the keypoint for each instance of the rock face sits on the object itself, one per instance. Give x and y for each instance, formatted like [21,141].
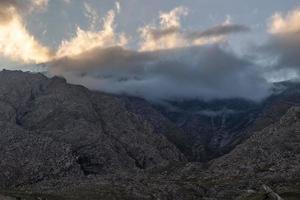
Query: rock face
[50,128]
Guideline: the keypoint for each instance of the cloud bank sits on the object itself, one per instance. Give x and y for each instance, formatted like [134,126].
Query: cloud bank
[205,72]
[171,63]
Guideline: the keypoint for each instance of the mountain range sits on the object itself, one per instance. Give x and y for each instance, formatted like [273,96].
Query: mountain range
[64,141]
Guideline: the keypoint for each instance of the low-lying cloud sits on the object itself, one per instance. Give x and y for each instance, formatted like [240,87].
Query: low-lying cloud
[204,72]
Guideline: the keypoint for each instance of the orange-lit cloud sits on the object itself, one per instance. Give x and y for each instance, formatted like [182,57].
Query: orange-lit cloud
[285,24]
[18,44]
[15,40]
[169,31]
[86,40]
[169,34]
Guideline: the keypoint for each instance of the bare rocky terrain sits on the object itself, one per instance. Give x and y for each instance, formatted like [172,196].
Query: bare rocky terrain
[63,141]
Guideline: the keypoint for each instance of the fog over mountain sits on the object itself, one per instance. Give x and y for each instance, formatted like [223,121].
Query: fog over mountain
[184,73]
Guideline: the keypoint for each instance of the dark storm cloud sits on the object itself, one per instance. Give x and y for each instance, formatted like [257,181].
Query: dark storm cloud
[205,72]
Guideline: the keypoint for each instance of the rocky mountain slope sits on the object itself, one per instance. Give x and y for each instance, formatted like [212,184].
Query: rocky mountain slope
[62,141]
[270,156]
[51,128]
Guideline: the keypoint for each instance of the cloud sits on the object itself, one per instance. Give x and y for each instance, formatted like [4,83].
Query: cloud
[170,64]
[172,18]
[85,40]
[167,35]
[204,72]
[7,10]
[40,4]
[170,34]
[15,40]
[283,46]
[18,44]
[67,1]
[92,16]
[220,30]
[118,7]
[281,24]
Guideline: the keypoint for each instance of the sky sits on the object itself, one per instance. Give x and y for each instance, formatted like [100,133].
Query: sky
[159,50]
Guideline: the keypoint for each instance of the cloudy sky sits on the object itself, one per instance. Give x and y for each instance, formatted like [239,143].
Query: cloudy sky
[156,49]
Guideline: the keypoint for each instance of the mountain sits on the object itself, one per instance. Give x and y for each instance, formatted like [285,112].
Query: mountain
[63,141]
[213,128]
[50,128]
